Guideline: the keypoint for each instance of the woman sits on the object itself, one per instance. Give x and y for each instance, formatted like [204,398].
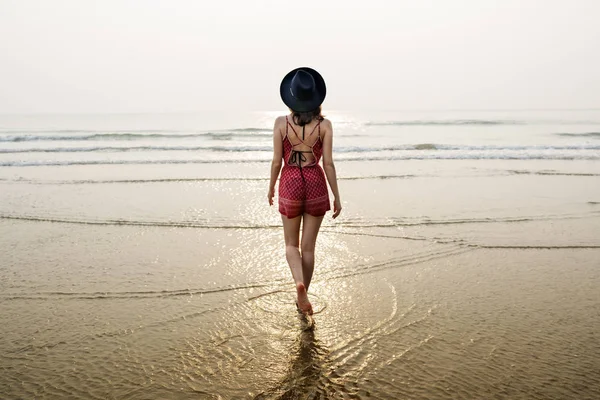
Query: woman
[299,141]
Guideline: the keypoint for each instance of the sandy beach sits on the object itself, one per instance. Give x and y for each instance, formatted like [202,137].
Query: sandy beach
[451,278]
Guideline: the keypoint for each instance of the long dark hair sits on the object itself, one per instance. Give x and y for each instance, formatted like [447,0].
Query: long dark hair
[304,118]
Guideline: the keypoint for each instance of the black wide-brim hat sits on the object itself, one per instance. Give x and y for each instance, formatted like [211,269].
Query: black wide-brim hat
[303,89]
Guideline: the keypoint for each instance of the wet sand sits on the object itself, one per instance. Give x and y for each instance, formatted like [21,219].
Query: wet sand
[435,283]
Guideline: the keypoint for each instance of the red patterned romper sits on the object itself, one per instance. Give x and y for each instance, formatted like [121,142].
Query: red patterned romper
[302,188]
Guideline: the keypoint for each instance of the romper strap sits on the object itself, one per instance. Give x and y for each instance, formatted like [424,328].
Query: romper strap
[316,126]
[290,125]
[319,125]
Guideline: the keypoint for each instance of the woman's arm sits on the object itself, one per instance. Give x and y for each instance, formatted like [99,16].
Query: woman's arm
[329,167]
[277,157]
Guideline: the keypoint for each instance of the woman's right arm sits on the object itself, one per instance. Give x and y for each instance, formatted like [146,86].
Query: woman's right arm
[329,167]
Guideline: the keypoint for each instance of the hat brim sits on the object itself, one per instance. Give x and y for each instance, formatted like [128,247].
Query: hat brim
[303,105]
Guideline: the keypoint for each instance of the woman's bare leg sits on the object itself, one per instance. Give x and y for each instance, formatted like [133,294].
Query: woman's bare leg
[291,232]
[310,230]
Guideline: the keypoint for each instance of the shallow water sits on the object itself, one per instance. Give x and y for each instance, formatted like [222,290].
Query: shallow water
[178,313]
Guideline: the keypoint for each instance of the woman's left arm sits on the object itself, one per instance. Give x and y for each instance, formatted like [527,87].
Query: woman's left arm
[277,157]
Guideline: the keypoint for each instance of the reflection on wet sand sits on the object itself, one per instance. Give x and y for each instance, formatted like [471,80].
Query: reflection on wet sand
[306,373]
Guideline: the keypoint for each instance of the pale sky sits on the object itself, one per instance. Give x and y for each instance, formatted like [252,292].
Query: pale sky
[169,56]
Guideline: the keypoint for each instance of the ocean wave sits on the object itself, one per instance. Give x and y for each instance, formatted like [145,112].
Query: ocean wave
[129,136]
[248,130]
[478,122]
[586,134]
[62,131]
[401,157]
[142,294]
[450,122]
[181,180]
[557,173]
[115,149]
[537,247]
[358,223]
[441,147]
[338,149]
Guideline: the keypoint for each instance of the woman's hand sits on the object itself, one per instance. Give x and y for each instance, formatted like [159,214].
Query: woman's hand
[337,208]
[270,196]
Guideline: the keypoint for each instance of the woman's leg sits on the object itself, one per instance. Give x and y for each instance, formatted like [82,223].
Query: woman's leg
[291,232]
[310,230]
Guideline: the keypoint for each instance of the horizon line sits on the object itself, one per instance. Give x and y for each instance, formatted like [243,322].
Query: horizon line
[271,111]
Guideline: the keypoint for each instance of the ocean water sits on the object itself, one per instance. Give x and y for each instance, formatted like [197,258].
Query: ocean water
[208,154]
[141,259]
[217,138]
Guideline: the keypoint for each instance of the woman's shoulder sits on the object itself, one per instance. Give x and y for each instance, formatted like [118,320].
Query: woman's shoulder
[325,123]
[280,121]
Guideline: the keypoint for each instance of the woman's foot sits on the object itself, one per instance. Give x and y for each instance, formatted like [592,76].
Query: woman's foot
[303,304]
